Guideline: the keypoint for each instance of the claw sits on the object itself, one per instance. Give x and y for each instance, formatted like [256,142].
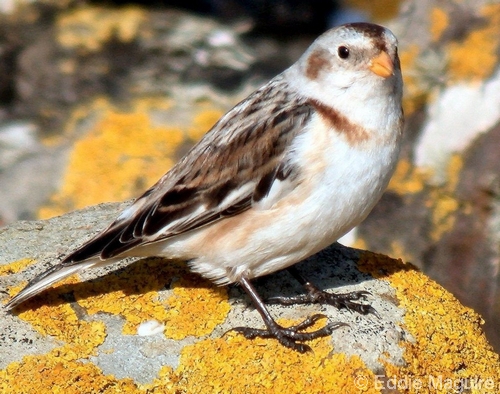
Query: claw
[289,336]
[344,300]
[315,295]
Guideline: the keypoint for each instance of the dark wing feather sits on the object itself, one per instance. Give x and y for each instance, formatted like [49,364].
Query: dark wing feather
[234,164]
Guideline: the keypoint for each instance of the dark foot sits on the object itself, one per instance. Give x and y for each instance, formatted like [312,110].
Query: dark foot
[343,300]
[291,336]
[317,296]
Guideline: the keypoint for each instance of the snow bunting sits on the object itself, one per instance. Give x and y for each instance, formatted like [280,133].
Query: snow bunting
[282,175]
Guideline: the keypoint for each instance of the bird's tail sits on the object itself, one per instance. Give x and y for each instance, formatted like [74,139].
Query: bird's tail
[86,256]
[47,279]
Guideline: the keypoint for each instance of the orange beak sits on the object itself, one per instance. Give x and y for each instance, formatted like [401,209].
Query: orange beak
[382,65]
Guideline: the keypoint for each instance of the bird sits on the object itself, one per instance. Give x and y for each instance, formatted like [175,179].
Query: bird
[285,173]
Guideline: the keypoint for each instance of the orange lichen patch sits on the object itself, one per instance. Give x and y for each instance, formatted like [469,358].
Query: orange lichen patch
[132,293]
[441,200]
[202,122]
[378,11]
[166,382]
[89,28]
[439,22]
[52,374]
[444,205]
[87,115]
[233,364]
[453,171]
[444,211]
[125,150]
[196,307]
[476,56]
[408,179]
[121,156]
[449,342]
[398,249]
[15,266]
[415,90]
[53,316]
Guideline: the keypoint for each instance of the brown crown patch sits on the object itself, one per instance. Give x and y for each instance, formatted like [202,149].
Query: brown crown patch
[353,132]
[375,32]
[318,60]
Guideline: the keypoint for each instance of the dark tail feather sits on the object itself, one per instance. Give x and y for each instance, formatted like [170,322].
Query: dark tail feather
[93,248]
[86,256]
[47,279]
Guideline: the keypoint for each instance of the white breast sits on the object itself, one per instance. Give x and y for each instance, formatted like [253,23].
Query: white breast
[339,186]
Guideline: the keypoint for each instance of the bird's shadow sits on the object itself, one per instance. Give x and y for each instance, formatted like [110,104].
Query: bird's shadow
[334,267]
[138,277]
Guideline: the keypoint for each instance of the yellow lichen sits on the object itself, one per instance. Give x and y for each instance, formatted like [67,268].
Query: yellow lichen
[166,382]
[476,56]
[453,171]
[196,307]
[415,91]
[398,249]
[442,202]
[56,318]
[233,364]
[119,158]
[124,152]
[407,179]
[89,28]
[15,266]
[52,374]
[443,215]
[132,293]
[202,122]
[449,344]
[439,22]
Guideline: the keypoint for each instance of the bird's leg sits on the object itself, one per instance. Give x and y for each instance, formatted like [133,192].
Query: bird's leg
[315,295]
[290,336]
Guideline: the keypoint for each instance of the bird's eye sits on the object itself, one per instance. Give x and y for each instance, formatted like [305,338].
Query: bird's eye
[343,52]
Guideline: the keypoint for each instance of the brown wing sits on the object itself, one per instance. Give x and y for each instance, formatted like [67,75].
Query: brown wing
[234,165]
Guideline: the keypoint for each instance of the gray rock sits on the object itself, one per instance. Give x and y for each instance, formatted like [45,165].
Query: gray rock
[141,357]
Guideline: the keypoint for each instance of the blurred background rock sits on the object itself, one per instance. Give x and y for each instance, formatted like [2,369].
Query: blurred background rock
[99,99]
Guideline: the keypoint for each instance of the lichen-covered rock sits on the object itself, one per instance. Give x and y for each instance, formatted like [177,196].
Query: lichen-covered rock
[150,325]
[441,211]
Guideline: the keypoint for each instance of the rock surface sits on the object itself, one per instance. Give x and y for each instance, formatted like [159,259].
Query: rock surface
[150,324]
